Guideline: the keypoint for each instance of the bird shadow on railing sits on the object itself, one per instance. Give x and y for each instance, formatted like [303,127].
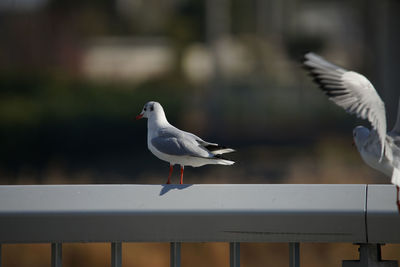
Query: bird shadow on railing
[168,187]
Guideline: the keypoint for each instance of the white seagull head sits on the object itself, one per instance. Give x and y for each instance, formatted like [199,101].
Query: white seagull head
[151,110]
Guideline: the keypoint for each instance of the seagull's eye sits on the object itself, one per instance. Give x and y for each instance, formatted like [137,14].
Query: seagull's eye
[144,109]
[151,108]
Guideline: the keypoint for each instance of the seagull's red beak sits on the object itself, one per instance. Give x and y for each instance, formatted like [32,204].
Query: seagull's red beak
[353,143]
[138,117]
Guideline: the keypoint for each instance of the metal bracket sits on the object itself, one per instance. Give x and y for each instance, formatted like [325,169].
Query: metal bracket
[370,256]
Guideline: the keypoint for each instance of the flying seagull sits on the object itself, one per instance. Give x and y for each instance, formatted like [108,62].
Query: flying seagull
[355,93]
[175,146]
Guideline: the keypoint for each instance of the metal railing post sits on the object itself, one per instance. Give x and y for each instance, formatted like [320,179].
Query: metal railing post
[175,254]
[294,254]
[116,254]
[234,252]
[56,255]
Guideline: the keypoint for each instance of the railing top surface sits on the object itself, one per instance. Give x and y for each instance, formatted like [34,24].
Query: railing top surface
[182,198]
[199,213]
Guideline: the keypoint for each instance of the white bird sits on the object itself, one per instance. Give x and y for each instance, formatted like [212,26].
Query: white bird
[355,93]
[175,146]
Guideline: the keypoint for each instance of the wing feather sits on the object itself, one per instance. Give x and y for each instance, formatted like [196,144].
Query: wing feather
[396,128]
[179,147]
[173,141]
[351,91]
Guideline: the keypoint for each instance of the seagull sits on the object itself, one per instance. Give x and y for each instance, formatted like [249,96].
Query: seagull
[355,93]
[175,146]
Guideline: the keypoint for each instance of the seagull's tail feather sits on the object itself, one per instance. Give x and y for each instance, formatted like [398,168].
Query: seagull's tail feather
[222,161]
[396,177]
[223,151]
[218,150]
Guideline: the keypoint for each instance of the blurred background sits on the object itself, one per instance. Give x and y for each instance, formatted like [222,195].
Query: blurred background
[74,74]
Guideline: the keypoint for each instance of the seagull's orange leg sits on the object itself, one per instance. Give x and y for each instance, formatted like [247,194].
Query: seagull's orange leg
[171,168]
[182,167]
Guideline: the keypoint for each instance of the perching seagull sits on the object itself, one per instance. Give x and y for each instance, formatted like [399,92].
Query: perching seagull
[355,93]
[175,146]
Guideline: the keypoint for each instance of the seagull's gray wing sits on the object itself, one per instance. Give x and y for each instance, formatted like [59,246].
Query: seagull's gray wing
[351,91]
[175,142]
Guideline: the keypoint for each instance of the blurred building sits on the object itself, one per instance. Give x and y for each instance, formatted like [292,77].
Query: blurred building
[127,59]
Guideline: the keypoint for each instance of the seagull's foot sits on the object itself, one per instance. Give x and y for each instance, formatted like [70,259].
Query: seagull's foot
[398,205]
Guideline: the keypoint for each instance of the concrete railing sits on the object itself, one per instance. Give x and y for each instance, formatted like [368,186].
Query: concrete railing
[362,214]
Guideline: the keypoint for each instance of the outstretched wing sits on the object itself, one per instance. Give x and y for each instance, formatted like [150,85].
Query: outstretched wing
[396,128]
[351,91]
